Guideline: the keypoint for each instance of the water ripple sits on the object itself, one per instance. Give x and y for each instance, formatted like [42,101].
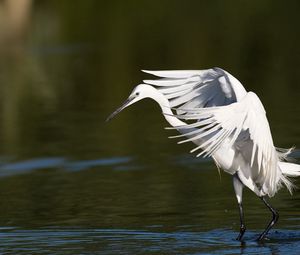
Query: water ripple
[20,167]
[125,241]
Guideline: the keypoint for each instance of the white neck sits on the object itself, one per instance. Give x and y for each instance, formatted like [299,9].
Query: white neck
[166,108]
[164,104]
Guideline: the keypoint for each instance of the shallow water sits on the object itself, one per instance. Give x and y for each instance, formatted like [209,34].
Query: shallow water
[124,241]
[72,184]
[117,206]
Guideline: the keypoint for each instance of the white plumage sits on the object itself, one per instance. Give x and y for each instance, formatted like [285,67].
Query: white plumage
[213,110]
[226,116]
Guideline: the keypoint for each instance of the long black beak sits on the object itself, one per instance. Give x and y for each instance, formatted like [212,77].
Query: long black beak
[119,109]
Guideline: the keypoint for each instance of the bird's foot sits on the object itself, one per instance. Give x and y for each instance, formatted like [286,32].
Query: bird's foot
[262,237]
[242,231]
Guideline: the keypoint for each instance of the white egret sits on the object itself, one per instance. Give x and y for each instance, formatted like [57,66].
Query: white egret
[212,109]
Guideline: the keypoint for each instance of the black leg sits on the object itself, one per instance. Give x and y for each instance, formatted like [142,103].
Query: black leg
[275,217]
[242,224]
[238,188]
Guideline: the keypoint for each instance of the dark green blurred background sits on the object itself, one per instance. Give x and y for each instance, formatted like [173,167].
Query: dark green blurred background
[66,65]
[62,58]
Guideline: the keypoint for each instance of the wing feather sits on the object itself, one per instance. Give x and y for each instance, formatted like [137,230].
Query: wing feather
[166,82]
[174,89]
[227,124]
[224,114]
[197,88]
[174,73]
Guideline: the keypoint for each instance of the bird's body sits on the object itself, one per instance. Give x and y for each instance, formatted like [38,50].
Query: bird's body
[212,109]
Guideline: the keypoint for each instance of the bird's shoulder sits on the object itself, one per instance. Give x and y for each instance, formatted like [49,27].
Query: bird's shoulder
[252,101]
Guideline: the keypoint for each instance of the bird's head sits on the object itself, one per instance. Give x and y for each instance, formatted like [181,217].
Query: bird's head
[139,92]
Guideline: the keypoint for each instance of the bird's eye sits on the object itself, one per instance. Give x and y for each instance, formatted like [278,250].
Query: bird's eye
[137,93]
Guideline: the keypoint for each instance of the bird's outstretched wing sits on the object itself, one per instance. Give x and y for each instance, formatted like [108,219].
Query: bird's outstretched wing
[197,88]
[224,125]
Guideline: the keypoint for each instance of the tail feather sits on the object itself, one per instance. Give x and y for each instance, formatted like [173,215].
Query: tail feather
[284,154]
[289,169]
